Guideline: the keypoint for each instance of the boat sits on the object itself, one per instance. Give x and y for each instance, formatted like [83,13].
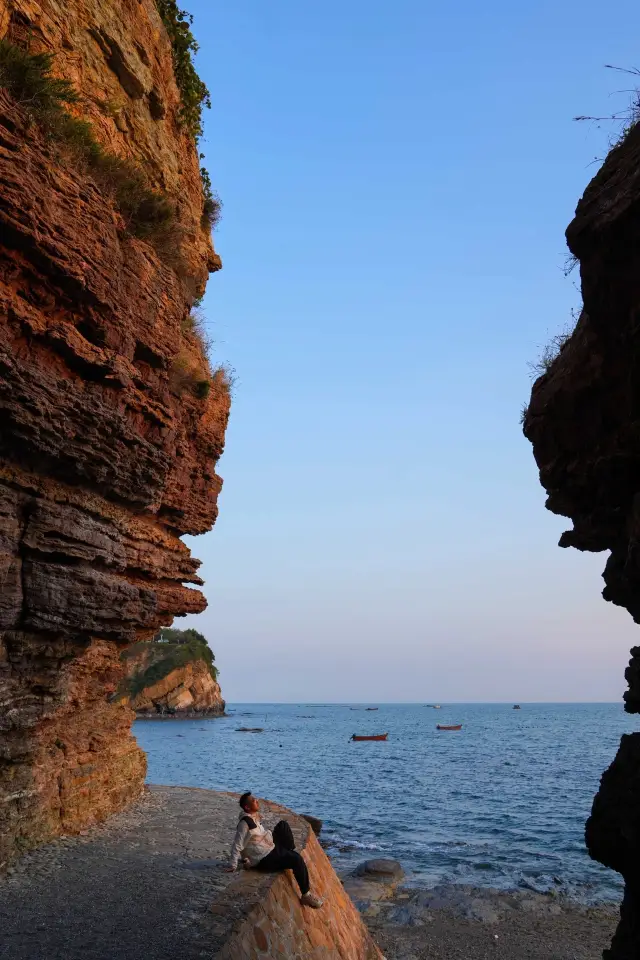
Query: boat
[377,736]
[372,708]
[453,726]
[516,706]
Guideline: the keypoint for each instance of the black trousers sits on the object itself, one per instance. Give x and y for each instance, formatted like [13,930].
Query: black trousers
[284,856]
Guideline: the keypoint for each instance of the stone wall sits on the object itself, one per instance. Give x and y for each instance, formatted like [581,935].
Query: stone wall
[276,925]
[106,457]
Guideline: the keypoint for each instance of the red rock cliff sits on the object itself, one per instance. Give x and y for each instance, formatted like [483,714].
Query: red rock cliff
[170,679]
[107,454]
[584,424]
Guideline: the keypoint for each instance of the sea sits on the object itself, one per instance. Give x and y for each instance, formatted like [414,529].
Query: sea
[501,803]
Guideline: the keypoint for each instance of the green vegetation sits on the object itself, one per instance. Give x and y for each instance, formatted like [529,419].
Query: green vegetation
[27,77]
[170,650]
[194,94]
[212,207]
[195,323]
[202,389]
[193,91]
[45,98]
[223,380]
[183,375]
[523,413]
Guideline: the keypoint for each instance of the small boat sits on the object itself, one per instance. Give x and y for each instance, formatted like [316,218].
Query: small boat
[516,706]
[453,726]
[377,736]
[372,708]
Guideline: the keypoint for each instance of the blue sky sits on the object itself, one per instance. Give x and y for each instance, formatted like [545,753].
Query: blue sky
[396,181]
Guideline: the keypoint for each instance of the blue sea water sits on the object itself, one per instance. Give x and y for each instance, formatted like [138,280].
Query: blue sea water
[502,803]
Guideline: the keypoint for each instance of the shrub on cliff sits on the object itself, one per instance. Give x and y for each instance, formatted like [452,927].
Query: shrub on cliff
[185,376]
[29,80]
[212,207]
[550,353]
[27,77]
[193,91]
[170,650]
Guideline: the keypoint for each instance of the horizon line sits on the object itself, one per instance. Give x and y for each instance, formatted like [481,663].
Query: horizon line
[409,703]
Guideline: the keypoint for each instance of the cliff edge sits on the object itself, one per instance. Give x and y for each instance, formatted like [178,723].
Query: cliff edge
[584,423]
[111,419]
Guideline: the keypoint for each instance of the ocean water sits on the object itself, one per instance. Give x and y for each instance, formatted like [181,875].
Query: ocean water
[502,803]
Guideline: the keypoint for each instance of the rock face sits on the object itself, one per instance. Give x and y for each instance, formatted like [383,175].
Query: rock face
[154,686]
[105,458]
[584,424]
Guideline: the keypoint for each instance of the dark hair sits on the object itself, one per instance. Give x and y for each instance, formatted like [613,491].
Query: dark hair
[244,798]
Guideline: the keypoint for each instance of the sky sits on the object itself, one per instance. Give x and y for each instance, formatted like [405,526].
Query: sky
[396,181]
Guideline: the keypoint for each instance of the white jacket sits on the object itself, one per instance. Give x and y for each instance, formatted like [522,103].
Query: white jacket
[252,844]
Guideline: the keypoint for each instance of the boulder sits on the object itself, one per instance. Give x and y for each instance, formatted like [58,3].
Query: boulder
[380,869]
[373,880]
[314,823]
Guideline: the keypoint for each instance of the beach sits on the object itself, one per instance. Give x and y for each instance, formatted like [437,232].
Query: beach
[564,932]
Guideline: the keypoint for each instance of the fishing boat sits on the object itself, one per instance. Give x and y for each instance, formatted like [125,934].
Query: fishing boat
[516,706]
[377,736]
[453,726]
[372,708]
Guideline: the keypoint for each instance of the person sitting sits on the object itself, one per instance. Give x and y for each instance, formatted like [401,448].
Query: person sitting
[260,849]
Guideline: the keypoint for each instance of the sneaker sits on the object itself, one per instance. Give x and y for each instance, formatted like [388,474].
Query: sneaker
[310,900]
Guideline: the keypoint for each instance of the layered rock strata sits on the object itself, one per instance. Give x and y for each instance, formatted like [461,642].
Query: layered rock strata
[584,424]
[154,687]
[106,459]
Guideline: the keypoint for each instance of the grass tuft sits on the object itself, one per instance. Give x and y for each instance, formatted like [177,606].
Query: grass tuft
[550,354]
[28,79]
[27,76]
[212,207]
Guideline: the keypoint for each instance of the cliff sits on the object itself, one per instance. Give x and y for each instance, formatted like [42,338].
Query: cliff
[584,423]
[171,679]
[111,421]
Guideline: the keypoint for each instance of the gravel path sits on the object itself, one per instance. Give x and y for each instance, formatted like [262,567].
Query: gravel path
[139,887]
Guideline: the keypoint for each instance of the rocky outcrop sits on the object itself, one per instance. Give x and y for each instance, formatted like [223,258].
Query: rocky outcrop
[584,424]
[155,685]
[106,457]
[372,881]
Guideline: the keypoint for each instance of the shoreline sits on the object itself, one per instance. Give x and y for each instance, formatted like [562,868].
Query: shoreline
[180,716]
[457,923]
